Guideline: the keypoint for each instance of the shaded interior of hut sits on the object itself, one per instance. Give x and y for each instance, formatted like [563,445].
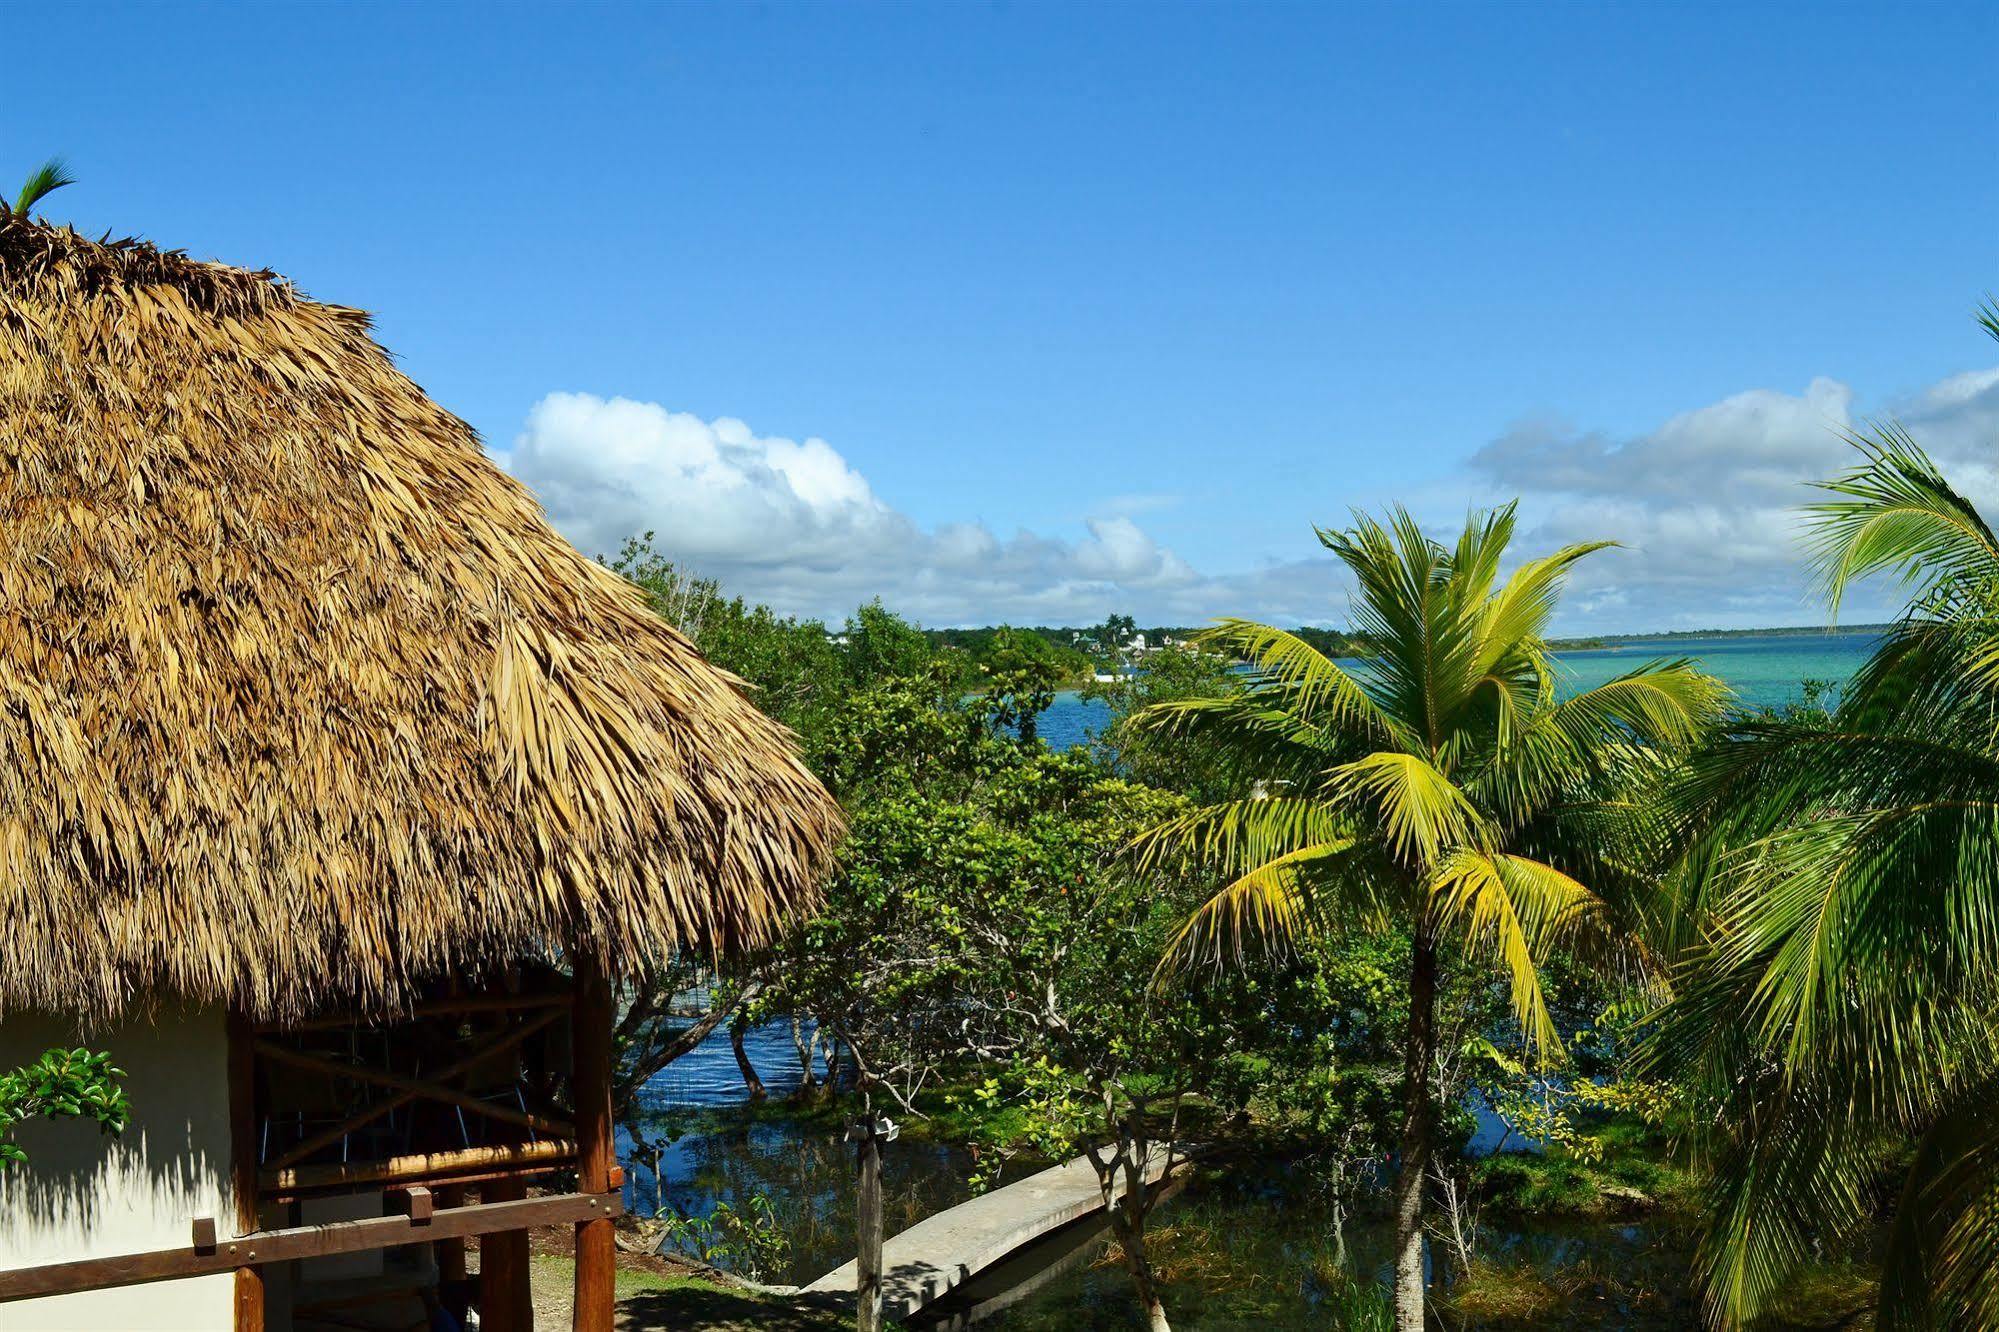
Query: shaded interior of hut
[461,1101]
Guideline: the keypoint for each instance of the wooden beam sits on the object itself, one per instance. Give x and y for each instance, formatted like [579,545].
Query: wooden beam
[421,1087]
[424,1167]
[486,1003]
[248,1301]
[596,1145]
[248,1252]
[505,1041]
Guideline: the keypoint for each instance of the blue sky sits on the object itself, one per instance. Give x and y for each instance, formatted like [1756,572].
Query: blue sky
[1035,312]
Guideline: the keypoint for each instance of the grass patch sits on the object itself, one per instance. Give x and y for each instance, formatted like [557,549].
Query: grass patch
[1826,1296]
[1492,1293]
[654,1300]
[1635,1176]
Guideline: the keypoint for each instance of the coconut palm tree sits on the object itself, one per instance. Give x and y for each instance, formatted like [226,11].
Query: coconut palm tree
[1438,782]
[43,181]
[1842,996]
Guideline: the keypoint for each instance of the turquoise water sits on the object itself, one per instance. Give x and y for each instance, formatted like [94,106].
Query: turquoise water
[1765,671]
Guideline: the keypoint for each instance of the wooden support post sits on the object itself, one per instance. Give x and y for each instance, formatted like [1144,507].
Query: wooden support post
[451,1255]
[868,1211]
[249,1302]
[596,1149]
[505,1302]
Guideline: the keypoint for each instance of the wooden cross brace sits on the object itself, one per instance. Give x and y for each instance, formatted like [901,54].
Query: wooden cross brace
[432,1088]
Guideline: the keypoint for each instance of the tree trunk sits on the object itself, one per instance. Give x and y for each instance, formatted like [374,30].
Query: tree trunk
[808,1079]
[642,1060]
[1129,1213]
[1415,1163]
[737,1030]
[1128,1224]
[834,1059]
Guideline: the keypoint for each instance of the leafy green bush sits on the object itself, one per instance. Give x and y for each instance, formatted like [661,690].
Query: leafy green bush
[748,1240]
[62,1084]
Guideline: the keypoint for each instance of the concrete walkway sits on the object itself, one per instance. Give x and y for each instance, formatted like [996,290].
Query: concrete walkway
[937,1254]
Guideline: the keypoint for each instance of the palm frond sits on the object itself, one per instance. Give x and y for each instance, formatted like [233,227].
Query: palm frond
[1316,690]
[1421,811]
[1665,706]
[1238,835]
[1520,611]
[1942,1259]
[1254,731]
[1517,908]
[1898,515]
[1267,908]
[43,181]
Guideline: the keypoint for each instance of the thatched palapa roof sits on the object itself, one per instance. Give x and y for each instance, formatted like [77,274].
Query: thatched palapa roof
[302,701]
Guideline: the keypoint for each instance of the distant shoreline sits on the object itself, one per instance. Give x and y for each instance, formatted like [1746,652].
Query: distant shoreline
[1672,635]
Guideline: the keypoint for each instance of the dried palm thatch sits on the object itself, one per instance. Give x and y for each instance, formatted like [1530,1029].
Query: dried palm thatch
[301,698]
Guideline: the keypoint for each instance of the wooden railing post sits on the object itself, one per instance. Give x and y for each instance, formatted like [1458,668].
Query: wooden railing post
[596,1148]
[868,1136]
[451,1270]
[506,1304]
[868,1210]
[249,1298]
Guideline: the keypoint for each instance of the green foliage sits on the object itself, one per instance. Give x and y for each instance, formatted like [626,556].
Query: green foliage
[953,910]
[1202,771]
[977,652]
[1562,1108]
[43,181]
[61,1084]
[747,1240]
[882,646]
[1838,932]
[1017,679]
[1354,1304]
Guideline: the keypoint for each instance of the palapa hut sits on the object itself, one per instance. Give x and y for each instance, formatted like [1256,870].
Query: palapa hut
[336,791]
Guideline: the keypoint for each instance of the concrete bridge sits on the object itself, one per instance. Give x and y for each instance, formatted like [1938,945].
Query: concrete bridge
[938,1254]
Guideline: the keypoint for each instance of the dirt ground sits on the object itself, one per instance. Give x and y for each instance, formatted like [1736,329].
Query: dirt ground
[657,1294]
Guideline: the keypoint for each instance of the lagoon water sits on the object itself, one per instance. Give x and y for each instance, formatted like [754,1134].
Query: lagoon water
[1764,670]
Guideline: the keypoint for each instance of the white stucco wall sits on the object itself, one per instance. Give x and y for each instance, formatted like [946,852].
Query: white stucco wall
[83,1195]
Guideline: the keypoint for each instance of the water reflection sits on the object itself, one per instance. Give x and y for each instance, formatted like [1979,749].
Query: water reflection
[1243,1246]
[1267,1250]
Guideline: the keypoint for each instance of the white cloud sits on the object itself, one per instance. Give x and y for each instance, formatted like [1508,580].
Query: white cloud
[1706,506]
[714,491]
[793,524]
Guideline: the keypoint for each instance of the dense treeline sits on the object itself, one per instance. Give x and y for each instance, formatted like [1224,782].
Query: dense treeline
[991,948]
[1738,969]
[1120,641]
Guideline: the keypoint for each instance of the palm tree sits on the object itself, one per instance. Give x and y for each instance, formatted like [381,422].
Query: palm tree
[1438,783]
[1839,999]
[43,181]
